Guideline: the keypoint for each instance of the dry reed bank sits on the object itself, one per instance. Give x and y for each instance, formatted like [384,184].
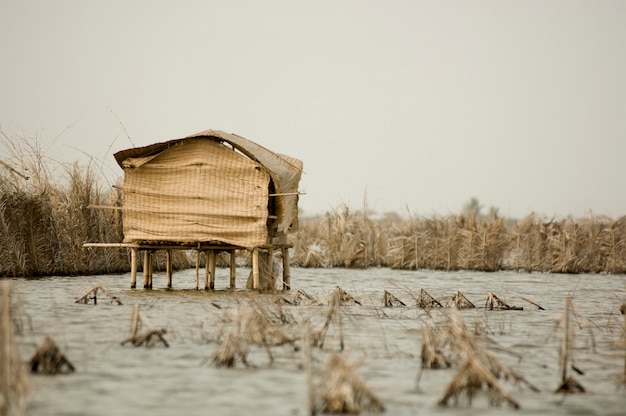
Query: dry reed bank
[45,219]
[355,239]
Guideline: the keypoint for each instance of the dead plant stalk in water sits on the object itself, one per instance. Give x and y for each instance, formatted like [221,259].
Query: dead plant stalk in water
[15,388]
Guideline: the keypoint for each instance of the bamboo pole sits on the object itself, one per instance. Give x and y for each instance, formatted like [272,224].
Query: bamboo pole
[133,268]
[197,268]
[270,265]
[146,267]
[566,340]
[168,267]
[233,270]
[255,268]
[150,270]
[207,270]
[211,267]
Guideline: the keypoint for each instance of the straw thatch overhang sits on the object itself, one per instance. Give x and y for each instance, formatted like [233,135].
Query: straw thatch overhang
[211,191]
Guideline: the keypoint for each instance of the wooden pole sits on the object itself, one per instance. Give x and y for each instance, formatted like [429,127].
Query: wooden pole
[270,265]
[133,268]
[566,340]
[255,268]
[197,267]
[233,270]
[286,270]
[150,259]
[207,270]
[211,266]
[146,267]
[168,267]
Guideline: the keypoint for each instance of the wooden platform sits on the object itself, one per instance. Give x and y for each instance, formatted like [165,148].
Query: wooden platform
[209,248]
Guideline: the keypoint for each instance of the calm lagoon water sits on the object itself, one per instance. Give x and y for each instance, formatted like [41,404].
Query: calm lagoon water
[123,380]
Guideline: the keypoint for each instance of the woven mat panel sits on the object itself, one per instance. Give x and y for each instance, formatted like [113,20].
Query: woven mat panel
[199,190]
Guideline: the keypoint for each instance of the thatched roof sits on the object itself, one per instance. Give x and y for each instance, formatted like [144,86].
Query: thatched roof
[284,171]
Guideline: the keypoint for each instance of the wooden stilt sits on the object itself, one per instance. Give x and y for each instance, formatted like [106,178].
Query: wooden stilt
[255,268]
[133,268]
[286,269]
[233,271]
[207,269]
[168,267]
[150,259]
[211,267]
[197,268]
[146,267]
[270,260]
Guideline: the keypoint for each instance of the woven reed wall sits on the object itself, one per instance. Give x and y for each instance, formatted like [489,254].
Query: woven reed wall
[198,190]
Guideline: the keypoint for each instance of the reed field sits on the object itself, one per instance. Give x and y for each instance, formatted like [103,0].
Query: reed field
[467,241]
[45,217]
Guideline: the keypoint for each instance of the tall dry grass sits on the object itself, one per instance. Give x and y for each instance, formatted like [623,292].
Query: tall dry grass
[45,219]
[341,238]
[468,241]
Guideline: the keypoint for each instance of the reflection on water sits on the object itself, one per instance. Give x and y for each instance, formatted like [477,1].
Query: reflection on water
[115,380]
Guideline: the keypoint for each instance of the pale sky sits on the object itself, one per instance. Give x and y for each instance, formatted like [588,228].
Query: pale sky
[412,105]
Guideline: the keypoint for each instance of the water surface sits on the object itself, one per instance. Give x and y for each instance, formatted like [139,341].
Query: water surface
[123,380]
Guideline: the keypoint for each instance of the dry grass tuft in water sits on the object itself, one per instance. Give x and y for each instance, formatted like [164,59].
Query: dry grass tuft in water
[343,391]
[426,301]
[48,359]
[390,300]
[252,325]
[568,383]
[472,378]
[92,295]
[344,298]
[480,370]
[494,302]
[459,301]
[338,298]
[432,356]
[302,298]
[149,337]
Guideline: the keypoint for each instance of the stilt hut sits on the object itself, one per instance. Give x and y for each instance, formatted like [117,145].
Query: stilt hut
[211,192]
